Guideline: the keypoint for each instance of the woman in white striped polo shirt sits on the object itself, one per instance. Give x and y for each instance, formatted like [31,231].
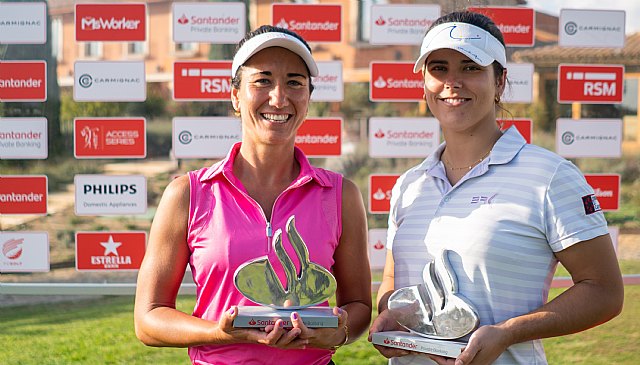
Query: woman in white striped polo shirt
[507,211]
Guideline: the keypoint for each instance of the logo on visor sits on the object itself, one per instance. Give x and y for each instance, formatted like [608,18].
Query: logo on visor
[453,27]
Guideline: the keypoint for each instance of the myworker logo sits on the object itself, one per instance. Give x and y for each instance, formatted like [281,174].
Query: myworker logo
[23,194]
[401,24]
[98,251]
[595,84]
[524,126]
[22,251]
[606,188]
[23,81]
[111,22]
[23,23]
[23,138]
[315,23]
[403,137]
[209,22]
[380,192]
[395,81]
[516,24]
[320,137]
[110,194]
[201,81]
[109,137]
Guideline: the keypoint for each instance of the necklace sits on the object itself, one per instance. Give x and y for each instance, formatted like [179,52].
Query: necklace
[466,167]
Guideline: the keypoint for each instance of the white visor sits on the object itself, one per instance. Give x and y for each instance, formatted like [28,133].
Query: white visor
[273,39]
[474,42]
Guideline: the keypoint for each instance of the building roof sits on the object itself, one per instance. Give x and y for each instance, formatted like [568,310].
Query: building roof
[551,56]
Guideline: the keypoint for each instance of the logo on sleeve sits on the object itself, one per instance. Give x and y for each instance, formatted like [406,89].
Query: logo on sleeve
[591,204]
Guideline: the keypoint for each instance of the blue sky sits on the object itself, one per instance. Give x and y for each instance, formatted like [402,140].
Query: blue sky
[631,7]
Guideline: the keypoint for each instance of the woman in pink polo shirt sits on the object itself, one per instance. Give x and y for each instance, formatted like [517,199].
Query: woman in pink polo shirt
[218,218]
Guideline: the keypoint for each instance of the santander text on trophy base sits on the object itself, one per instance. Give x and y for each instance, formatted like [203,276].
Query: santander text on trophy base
[433,312]
[305,289]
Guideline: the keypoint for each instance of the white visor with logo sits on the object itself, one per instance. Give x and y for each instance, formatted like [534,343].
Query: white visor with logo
[474,42]
[273,39]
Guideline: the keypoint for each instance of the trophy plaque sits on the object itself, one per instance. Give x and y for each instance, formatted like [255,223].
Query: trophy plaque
[434,313]
[305,289]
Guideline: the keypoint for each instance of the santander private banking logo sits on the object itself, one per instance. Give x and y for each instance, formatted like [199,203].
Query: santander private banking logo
[111,22]
[401,23]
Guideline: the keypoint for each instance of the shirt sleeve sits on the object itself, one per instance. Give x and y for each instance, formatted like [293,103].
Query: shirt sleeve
[572,213]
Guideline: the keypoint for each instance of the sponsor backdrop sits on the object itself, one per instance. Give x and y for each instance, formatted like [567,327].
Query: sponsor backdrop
[120,137]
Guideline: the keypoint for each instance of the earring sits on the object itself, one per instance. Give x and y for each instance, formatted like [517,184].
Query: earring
[497,99]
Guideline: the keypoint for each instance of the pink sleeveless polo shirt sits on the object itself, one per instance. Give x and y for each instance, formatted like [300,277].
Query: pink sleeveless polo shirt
[227,228]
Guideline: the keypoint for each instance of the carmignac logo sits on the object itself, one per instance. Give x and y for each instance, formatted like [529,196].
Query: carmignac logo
[85,80]
[568,137]
[571,28]
[185,137]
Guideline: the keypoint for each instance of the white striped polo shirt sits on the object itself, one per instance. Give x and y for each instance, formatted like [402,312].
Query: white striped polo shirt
[502,221]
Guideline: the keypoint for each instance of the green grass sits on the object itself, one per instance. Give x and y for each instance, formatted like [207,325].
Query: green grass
[100,331]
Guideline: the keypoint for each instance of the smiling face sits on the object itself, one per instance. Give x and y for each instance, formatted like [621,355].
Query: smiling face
[273,96]
[459,92]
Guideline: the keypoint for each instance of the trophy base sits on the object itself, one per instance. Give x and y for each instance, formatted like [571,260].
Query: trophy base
[417,343]
[260,317]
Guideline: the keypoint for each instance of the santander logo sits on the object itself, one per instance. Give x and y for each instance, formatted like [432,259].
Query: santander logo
[379,134]
[283,24]
[380,83]
[252,322]
[12,249]
[400,344]
[381,21]
[378,245]
[183,19]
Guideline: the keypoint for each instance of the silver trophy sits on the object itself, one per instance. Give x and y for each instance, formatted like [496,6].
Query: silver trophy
[433,312]
[312,285]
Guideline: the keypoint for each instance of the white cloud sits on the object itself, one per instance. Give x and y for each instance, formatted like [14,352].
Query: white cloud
[631,7]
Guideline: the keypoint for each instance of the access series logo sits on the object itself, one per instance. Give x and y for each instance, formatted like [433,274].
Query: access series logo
[111,22]
[109,137]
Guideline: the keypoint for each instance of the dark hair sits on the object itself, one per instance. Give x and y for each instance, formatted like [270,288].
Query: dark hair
[235,81]
[479,20]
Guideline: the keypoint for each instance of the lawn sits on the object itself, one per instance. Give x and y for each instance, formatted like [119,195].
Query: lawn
[100,331]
